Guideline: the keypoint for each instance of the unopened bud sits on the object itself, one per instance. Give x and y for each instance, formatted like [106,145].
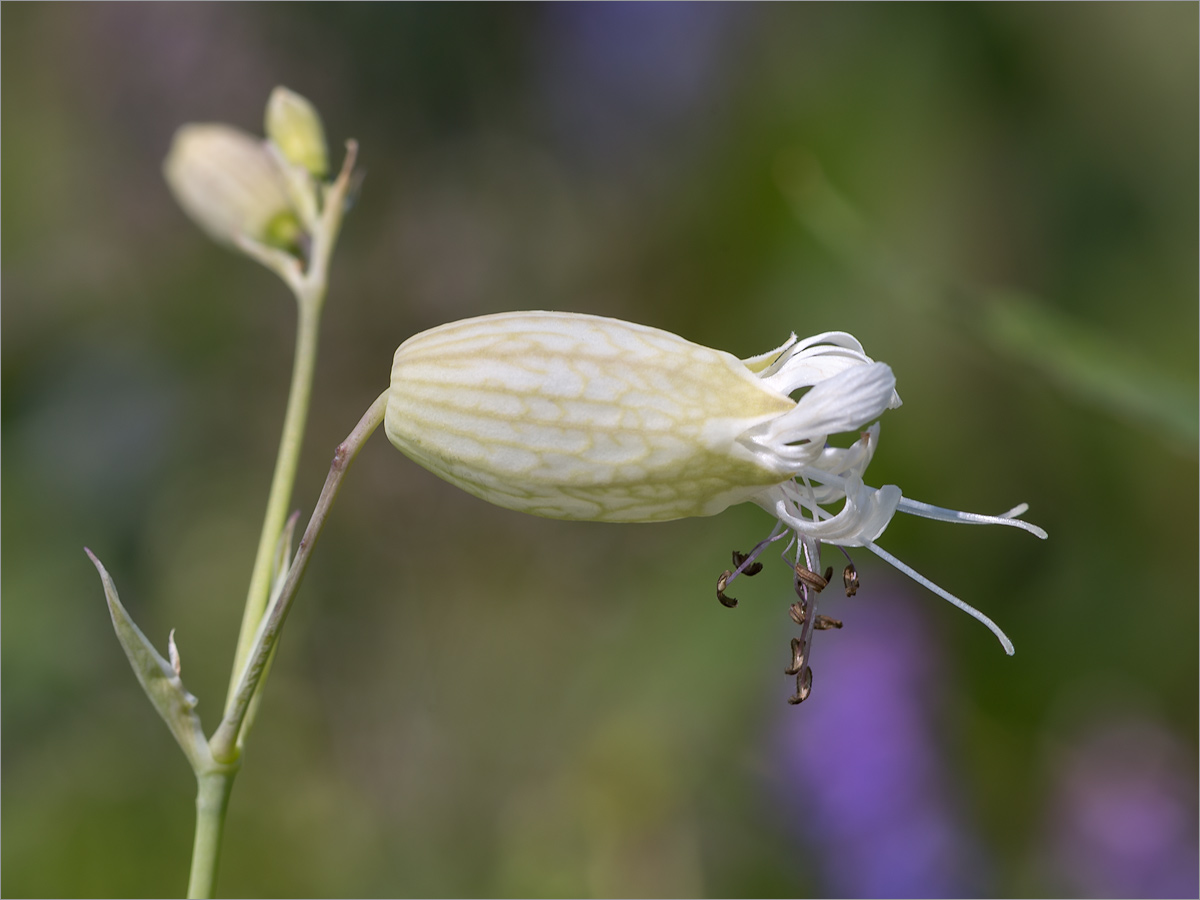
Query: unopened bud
[230,185]
[293,125]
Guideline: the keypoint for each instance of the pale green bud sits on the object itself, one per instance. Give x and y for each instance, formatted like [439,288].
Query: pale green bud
[294,126]
[230,185]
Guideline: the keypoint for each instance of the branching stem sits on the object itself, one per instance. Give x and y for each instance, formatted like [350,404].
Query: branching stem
[282,483]
[309,286]
[224,741]
[259,632]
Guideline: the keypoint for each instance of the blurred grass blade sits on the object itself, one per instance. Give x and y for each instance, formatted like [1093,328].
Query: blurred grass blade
[159,678]
[1084,363]
[1089,365]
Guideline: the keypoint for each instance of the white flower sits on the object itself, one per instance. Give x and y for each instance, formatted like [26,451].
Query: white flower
[573,416]
[230,184]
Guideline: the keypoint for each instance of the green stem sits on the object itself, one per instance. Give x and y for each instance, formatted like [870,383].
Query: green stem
[290,441]
[215,776]
[224,740]
[310,288]
[212,798]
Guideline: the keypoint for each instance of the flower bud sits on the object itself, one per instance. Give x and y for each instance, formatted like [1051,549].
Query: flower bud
[230,185]
[294,126]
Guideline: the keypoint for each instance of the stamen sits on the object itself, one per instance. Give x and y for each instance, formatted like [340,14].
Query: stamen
[743,559]
[722,583]
[850,580]
[803,686]
[804,612]
[797,658]
[744,564]
[811,579]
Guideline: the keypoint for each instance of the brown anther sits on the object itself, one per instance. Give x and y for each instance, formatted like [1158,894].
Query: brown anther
[753,569]
[797,658]
[803,686]
[727,602]
[811,579]
[824,623]
[796,611]
[850,579]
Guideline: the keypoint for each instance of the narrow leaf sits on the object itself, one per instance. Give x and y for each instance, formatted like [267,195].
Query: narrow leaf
[159,678]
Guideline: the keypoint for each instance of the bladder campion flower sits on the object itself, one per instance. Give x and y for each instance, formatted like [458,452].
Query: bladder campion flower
[229,183]
[253,193]
[574,416]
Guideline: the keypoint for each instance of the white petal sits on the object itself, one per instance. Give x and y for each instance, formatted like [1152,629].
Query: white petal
[852,460]
[765,362]
[864,517]
[927,511]
[944,594]
[837,338]
[803,365]
[814,359]
[225,180]
[845,402]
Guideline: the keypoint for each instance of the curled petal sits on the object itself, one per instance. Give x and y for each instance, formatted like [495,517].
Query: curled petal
[927,511]
[843,402]
[767,363]
[945,595]
[864,517]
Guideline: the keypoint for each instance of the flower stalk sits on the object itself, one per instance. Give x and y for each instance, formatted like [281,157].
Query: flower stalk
[225,739]
[267,199]
[309,286]
[213,789]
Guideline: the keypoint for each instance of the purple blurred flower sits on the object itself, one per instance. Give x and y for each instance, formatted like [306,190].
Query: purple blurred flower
[1124,815]
[627,81]
[861,770]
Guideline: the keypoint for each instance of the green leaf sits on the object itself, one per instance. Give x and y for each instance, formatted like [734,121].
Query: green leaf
[159,678]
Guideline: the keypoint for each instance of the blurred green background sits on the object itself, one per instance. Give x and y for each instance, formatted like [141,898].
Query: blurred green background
[999,201]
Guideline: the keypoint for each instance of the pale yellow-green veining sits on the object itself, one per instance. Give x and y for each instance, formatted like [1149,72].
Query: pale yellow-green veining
[580,417]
